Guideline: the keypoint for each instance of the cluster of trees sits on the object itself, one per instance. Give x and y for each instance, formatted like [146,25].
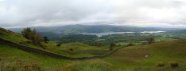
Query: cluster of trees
[78,38]
[34,36]
[131,37]
[106,40]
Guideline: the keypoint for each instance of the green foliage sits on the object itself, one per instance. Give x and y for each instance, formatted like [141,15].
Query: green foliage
[46,39]
[112,45]
[150,40]
[105,40]
[27,33]
[130,44]
[78,38]
[32,35]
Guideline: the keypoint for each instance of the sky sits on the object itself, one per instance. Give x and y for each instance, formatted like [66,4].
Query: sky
[143,13]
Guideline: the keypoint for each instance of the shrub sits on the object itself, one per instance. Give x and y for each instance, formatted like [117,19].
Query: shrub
[174,65]
[130,44]
[160,64]
[112,45]
[31,67]
[150,40]
[58,45]
[71,49]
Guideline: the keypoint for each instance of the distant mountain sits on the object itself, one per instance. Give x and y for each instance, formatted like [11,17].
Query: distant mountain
[177,31]
[92,29]
[55,32]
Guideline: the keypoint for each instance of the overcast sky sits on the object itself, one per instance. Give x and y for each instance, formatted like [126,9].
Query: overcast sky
[159,13]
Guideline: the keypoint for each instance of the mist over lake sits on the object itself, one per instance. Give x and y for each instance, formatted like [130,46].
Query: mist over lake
[111,33]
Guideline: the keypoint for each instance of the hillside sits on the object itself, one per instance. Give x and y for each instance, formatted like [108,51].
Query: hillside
[154,57]
[148,57]
[73,50]
[13,59]
[129,59]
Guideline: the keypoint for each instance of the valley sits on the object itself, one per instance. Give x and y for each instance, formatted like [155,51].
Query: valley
[130,52]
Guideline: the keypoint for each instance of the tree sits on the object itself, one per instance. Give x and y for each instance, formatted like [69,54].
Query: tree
[37,39]
[27,32]
[150,40]
[33,35]
[46,39]
[112,45]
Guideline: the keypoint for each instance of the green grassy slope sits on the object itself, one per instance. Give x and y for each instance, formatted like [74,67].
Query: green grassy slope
[9,35]
[70,49]
[12,59]
[76,49]
[135,58]
[147,57]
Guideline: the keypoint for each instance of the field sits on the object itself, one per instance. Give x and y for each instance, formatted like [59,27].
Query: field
[135,58]
[76,49]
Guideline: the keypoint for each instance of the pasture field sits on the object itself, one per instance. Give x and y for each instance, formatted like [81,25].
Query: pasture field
[154,57]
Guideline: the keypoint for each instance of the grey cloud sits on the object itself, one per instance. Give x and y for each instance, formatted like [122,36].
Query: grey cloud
[62,12]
